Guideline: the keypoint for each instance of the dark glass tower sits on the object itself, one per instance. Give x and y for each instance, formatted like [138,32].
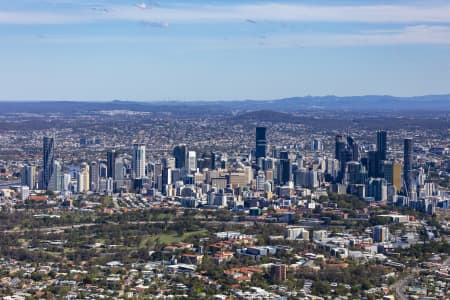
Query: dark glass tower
[48,158]
[261,142]
[373,161]
[382,144]
[180,153]
[110,162]
[407,165]
[341,154]
[285,168]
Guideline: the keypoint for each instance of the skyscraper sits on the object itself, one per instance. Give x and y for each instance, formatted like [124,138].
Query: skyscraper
[407,165]
[393,173]
[48,161]
[192,161]
[180,154]
[261,142]
[138,164]
[378,189]
[352,149]
[94,176]
[55,181]
[118,169]
[284,168]
[29,176]
[83,181]
[341,154]
[110,161]
[382,144]
[373,164]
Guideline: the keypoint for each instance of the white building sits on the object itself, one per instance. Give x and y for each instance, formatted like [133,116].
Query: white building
[192,161]
[138,163]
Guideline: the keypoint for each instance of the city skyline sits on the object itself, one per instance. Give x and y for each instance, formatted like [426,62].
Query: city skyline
[141,51]
[194,201]
[251,149]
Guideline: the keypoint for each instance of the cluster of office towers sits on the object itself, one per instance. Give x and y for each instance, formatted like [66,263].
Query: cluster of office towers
[113,173]
[376,170]
[348,170]
[368,175]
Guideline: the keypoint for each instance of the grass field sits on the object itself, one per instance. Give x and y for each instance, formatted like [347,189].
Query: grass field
[168,238]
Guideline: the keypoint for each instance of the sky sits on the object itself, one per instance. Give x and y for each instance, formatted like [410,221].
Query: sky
[222,50]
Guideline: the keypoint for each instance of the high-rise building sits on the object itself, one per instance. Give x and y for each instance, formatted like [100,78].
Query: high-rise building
[407,166]
[28,175]
[382,144]
[118,169]
[380,234]
[354,173]
[278,272]
[103,170]
[342,154]
[261,142]
[48,161]
[66,181]
[157,171]
[191,161]
[138,165]
[373,162]
[306,178]
[83,181]
[317,145]
[284,168]
[94,176]
[168,162]
[393,173]
[55,182]
[378,189]
[352,150]
[180,154]
[110,162]
[260,180]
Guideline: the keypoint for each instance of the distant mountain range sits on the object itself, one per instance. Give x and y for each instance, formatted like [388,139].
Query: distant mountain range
[296,104]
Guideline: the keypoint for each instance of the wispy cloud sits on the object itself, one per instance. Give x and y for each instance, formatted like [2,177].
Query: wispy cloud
[276,12]
[409,35]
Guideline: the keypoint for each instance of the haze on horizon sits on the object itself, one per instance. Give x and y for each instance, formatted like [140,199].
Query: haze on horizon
[222,50]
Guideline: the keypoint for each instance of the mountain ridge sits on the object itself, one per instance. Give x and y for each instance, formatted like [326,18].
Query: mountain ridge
[290,104]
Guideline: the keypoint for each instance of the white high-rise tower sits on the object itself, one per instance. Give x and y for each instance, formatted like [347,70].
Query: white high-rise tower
[138,161]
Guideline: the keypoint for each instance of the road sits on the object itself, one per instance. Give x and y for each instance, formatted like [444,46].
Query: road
[400,285]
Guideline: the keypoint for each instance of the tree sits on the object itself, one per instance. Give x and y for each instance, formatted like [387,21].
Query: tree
[321,288]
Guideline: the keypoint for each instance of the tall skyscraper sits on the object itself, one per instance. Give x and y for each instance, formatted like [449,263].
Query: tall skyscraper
[83,181]
[138,164]
[48,161]
[94,176]
[28,175]
[110,161]
[373,164]
[284,168]
[378,189]
[382,144]
[180,154]
[393,173]
[192,160]
[407,165]
[118,169]
[261,142]
[352,149]
[55,182]
[341,154]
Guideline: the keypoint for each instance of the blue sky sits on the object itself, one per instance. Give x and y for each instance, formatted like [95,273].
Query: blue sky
[214,50]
